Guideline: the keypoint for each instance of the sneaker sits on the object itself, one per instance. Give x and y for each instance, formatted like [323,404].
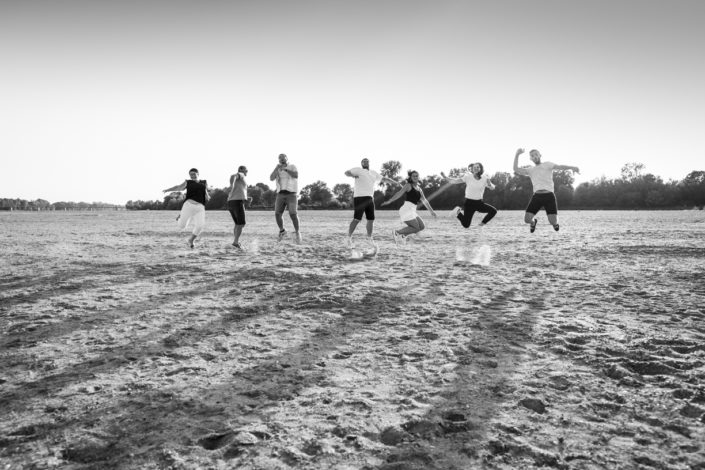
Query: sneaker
[282,234]
[533,226]
[298,237]
[456,211]
[396,237]
[556,227]
[238,246]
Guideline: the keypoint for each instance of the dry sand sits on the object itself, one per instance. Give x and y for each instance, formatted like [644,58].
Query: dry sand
[582,349]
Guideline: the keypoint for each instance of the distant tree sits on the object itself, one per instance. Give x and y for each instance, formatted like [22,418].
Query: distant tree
[692,189]
[173,201]
[218,199]
[632,171]
[343,193]
[391,169]
[316,194]
[268,198]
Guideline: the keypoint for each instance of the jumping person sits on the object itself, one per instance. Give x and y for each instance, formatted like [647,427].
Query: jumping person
[475,183]
[194,207]
[542,182]
[407,212]
[363,197]
[236,202]
[287,179]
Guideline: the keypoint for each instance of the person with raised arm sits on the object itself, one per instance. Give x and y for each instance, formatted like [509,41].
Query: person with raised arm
[475,183]
[286,177]
[363,197]
[194,207]
[541,175]
[414,194]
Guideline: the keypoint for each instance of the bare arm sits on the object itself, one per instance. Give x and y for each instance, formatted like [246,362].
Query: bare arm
[567,167]
[451,180]
[517,170]
[427,204]
[178,187]
[275,173]
[349,173]
[292,171]
[389,180]
[489,184]
[399,194]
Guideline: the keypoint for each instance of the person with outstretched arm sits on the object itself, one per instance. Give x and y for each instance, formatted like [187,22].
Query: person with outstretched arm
[541,175]
[194,207]
[363,197]
[407,213]
[475,184]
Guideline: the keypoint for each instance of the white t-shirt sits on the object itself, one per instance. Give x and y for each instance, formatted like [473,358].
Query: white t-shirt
[286,182]
[365,182]
[474,188]
[542,176]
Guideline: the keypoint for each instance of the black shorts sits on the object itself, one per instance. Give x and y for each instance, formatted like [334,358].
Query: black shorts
[545,200]
[364,205]
[237,210]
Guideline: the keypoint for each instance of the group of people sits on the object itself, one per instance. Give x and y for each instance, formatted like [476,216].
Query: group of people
[286,177]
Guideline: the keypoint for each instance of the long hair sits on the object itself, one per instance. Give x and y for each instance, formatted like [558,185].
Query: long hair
[409,173]
[482,168]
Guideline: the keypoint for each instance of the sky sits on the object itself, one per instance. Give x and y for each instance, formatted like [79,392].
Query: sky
[116,100]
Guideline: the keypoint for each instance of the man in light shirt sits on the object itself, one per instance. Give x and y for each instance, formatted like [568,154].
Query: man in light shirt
[287,180]
[542,182]
[475,183]
[363,196]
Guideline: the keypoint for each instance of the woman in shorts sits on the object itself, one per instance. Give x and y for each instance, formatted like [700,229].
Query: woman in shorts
[413,196]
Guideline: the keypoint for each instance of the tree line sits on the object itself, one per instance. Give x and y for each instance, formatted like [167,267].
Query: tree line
[633,189]
[44,205]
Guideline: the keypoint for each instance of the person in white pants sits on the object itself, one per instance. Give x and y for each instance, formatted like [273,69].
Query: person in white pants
[194,208]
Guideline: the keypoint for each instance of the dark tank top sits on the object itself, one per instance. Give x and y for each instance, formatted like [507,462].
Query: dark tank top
[196,191]
[413,195]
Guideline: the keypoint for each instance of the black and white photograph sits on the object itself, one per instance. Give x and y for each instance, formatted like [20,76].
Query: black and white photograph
[352,234]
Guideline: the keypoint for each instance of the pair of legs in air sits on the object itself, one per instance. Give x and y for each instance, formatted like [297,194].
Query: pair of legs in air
[471,206]
[545,200]
[287,201]
[362,206]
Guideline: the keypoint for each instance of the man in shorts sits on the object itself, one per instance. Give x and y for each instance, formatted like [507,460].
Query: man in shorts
[236,202]
[363,196]
[286,177]
[542,182]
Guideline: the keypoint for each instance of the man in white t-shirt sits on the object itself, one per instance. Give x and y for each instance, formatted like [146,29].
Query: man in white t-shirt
[363,196]
[475,183]
[287,180]
[541,175]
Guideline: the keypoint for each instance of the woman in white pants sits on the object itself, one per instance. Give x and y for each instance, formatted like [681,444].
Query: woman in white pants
[194,208]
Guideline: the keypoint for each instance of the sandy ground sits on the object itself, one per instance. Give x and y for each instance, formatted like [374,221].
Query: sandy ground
[583,349]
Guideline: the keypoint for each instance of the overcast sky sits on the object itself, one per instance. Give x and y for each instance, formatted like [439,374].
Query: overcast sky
[112,101]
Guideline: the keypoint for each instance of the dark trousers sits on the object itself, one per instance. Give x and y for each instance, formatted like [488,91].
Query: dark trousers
[473,205]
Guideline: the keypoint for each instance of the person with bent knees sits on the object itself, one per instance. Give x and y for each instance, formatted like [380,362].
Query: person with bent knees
[194,207]
[541,175]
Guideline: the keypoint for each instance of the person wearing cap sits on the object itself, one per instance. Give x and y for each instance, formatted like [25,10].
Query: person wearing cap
[475,184]
[363,197]
[541,175]
[236,202]
[194,207]
[286,177]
